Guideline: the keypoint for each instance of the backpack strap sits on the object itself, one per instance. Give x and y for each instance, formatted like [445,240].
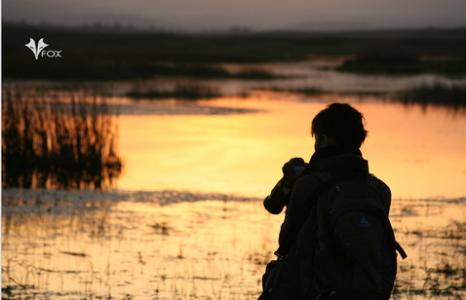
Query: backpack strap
[400,250]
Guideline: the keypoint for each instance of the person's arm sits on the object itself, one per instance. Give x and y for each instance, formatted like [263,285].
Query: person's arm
[278,198]
[298,211]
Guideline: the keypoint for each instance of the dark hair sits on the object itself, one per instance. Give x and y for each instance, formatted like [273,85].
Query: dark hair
[341,122]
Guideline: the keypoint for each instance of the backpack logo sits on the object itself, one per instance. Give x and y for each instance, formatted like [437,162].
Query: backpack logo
[364,222]
[38,48]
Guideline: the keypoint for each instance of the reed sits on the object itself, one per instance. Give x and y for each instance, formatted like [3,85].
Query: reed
[436,94]
[63,139]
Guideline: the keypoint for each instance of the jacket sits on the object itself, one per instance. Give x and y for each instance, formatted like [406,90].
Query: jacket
[329,163]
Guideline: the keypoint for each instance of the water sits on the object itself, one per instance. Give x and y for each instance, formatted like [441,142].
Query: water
[134,247]
[243,153]
[184,220]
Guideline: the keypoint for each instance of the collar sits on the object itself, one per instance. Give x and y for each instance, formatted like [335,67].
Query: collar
[337,159]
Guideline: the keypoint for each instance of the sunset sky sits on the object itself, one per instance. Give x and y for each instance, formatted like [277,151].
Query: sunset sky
[255,14]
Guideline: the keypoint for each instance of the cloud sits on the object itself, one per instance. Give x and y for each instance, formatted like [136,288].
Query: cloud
[258,14]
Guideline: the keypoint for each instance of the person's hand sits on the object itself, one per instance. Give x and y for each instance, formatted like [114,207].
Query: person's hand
[293,168]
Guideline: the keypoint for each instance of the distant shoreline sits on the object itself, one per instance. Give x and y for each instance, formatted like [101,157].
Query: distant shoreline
[105,53]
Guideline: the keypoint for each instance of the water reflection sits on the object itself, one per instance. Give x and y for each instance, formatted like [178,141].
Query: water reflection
[80,247]
[58,137]
[127,243]
[419,154]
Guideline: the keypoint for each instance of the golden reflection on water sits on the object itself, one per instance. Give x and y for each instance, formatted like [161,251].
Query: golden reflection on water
[418,154]
[209,249]
[217,249]
[180,251]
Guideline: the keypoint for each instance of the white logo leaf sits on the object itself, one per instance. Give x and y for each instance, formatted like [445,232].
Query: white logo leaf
[36,49]
[41,46]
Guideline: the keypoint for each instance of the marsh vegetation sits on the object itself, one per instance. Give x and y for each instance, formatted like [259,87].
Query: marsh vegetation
[136,246]
[64,140]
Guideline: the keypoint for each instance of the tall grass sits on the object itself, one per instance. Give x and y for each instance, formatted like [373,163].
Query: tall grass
[57,139]
[437,94]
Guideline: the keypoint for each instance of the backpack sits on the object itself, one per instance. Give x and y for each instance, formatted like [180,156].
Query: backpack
[354,255]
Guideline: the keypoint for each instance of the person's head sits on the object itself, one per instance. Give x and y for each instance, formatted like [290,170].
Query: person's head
[338,125]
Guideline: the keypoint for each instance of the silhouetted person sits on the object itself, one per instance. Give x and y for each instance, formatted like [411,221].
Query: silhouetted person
[336,241]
